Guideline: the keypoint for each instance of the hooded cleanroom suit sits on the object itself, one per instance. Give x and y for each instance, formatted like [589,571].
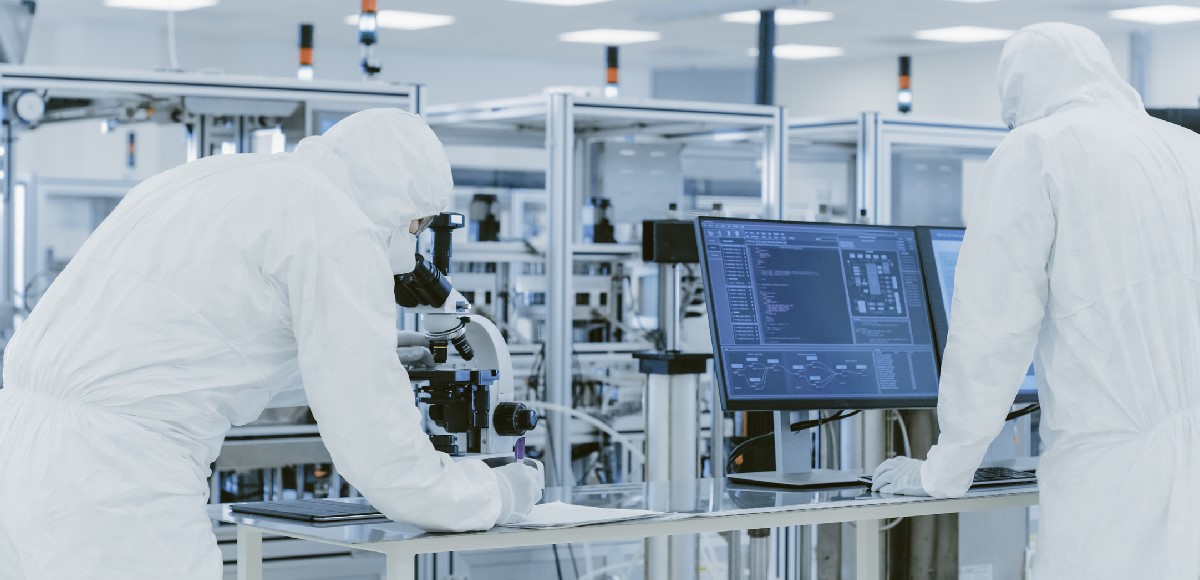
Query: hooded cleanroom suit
[213,287]
[1082,240]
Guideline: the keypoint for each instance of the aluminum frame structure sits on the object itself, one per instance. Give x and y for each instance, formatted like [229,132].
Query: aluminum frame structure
[561,123]
[873,135]
[84,84]
[867,142]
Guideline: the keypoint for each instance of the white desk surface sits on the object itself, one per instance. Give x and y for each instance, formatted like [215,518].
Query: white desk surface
[710,506]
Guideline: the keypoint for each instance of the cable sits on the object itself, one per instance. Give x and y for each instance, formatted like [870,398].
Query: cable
[574,564]
[903,433]
[798,426]
[743,447]
[634,450]
[1022,412]
[802,425]
[557,562]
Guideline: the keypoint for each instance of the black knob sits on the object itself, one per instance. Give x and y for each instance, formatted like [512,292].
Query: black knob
[528,419]
[445,444]
[514,419]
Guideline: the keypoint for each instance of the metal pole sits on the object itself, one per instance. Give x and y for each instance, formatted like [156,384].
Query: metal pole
[560,138]
[1139,58]
[716,452]
[668,304]
[760,553]
[867,535]
[734,560]
[764,93]
[10,242]
[249,553]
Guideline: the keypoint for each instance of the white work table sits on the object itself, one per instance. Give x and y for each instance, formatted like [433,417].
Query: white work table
[712,506]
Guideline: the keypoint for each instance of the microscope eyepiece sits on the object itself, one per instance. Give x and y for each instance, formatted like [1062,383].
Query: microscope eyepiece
[424,286]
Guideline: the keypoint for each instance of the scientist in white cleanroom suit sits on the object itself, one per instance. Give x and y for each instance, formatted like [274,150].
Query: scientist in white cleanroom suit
[210,289]
[1084,240]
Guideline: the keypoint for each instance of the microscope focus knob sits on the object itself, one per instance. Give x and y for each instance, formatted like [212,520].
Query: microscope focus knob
[514,419]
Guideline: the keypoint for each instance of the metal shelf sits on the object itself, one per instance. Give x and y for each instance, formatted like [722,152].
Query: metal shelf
[523,252]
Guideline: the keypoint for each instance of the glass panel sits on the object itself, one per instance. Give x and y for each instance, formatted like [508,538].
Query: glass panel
[930,185]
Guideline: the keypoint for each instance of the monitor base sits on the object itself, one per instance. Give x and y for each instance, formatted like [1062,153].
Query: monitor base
[815,479]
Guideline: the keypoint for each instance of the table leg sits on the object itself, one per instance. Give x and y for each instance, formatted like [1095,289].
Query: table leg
[734,539]
[249,553]
[760,554]
[657,557]
[400,565]
[868,550]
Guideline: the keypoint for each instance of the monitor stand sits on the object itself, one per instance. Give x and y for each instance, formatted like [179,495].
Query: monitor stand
[794,455]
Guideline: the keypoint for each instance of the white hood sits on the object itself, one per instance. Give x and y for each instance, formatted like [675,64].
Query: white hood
[389,161]
[1049,67]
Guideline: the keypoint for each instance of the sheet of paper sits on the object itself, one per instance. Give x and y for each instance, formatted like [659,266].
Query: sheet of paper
[564,515]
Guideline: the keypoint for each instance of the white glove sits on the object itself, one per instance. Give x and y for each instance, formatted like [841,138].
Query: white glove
[899,475]
[413,349]
[520,489]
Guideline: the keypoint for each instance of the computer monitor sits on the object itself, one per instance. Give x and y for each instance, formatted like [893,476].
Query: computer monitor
[817,315]
[939,249]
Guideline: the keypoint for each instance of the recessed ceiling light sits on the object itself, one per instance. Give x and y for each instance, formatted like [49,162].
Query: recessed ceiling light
[1164,14]
[400,20]
[783,17]
[168,5]
[561,2]
[610,36]
[964,34]
[802,51]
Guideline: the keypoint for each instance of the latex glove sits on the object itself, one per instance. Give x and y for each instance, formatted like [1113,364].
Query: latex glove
[413,349]
[411,338]
[520,489]
[899,475]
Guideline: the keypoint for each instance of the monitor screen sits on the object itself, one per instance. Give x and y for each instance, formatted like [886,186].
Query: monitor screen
[939,256]
[816,315]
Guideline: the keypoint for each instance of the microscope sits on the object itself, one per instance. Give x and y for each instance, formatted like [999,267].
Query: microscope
[473,399]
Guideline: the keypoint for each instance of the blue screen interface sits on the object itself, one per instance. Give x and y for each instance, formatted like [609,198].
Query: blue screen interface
[946,246]
[818,312]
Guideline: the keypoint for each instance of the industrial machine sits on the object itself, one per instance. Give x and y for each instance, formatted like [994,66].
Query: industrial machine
[473,398]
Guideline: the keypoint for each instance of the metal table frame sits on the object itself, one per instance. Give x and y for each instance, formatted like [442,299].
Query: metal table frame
[867,517]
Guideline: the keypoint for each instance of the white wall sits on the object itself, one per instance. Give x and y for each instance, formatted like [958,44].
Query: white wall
[1173,70]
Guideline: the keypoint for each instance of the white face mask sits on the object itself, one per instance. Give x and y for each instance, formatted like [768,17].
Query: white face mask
[402,253]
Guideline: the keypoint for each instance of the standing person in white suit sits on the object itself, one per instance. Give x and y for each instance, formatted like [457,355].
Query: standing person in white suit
[210,289]
[1084,241]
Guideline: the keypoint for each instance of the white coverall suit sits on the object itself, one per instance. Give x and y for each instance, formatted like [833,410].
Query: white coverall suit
[1083,241]
[211,288]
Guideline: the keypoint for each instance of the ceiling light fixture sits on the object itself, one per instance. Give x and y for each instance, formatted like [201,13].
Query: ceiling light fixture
[399,20]
[802,51]
[165,5]
[1162,14]
[963,34]
[562,2]
[783,17]
[610,37]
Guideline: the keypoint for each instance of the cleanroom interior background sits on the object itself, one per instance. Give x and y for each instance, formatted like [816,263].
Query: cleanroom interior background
[499,48]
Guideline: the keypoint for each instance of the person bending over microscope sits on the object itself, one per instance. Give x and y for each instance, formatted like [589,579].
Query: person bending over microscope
[210,289]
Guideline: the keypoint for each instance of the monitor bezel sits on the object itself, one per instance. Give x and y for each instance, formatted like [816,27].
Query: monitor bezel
[937,310]
[807,404]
